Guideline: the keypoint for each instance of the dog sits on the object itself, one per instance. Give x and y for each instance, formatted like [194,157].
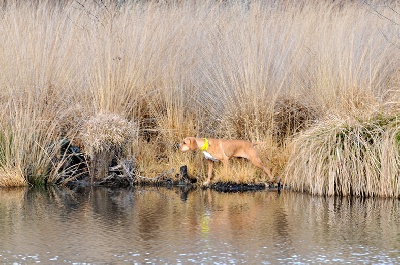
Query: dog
[216,150]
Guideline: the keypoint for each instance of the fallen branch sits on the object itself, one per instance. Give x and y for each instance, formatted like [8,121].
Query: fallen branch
[157,177]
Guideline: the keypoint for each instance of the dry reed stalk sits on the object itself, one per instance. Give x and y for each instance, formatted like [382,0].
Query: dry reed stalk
[291,116]
[106,137]
[12,177]
[347,157]
[26,143]
[238,172]
[210,68]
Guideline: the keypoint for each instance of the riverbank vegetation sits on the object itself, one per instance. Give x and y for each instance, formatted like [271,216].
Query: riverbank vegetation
[348,157]
[318,81]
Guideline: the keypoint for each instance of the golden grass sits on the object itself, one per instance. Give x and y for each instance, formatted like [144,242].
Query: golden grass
[251,70]
[12,177]
[105,132]
[347,157]
[106,137]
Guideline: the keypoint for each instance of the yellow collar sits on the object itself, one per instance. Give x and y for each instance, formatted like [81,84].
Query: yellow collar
[205,145]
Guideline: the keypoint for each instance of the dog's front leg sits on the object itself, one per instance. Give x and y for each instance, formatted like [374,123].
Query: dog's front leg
[209,173]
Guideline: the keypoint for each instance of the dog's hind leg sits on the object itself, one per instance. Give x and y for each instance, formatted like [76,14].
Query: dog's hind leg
[256,161]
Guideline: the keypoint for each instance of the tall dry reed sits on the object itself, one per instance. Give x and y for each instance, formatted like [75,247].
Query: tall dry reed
[347,157]
[201,68]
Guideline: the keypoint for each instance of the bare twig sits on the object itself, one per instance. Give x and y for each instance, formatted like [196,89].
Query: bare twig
[159,176]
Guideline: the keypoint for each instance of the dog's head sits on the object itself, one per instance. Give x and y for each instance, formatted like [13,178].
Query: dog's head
[189,143]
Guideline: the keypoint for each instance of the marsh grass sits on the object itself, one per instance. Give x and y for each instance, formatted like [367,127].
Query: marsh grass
[347,157]
[239,171]
[254,70]
[12,177]
[106,137]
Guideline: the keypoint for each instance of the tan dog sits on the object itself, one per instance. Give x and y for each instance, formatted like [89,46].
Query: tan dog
[215,150]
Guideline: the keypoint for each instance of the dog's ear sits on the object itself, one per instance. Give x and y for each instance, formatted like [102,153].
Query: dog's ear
[192,143]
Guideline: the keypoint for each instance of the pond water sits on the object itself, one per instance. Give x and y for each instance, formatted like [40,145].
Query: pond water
[160,225]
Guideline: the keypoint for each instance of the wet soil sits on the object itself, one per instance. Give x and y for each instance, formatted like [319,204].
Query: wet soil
[74,173]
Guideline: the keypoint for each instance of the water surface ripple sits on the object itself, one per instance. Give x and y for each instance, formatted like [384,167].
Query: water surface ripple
[160,225]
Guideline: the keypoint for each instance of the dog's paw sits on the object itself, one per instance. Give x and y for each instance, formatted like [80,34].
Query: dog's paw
[206,184]
[274,184]
[270,184]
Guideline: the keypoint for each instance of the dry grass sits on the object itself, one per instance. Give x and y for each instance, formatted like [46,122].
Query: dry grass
[347,157]
[12,177]
[107,132]
[106,137]
[250,70]
[291,116]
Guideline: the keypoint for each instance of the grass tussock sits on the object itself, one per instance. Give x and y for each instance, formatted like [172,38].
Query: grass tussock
[107,132]
[12,177]
[347,157]
[254,70]
[106,137]
[291,116]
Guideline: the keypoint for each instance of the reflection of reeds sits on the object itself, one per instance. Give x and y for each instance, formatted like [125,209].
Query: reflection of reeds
[347,157]
[200,68]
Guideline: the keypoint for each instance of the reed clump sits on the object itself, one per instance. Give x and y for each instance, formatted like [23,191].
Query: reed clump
[291,116]
[12,177]
[105,132]
[254,70]
[347,157]
[106,137]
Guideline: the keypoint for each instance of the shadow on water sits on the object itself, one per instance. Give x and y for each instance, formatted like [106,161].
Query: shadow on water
[160,225]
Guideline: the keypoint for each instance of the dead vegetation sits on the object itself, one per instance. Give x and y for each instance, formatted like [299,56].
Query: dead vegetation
[347,157]
[260,71]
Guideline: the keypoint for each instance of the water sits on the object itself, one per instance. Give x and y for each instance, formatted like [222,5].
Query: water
[159,226]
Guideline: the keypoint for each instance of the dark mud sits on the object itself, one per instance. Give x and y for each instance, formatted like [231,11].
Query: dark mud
[74,173]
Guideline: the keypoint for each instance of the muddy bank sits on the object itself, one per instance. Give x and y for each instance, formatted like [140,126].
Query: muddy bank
[75,172]
[240,187]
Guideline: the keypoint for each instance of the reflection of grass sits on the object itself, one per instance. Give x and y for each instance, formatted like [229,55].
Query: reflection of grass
[348,157]
[260,72]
